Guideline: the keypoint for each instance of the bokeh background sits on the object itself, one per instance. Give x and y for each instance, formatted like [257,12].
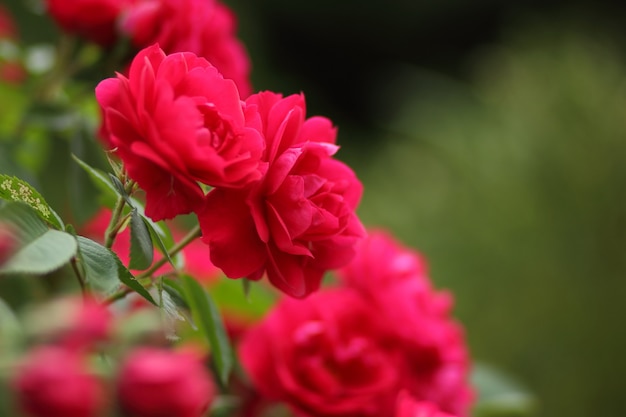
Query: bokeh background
[491,136]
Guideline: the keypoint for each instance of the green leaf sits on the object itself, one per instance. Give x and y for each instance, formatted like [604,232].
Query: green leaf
[40,250]
[10,332]
[119,188]
[101,271]
[170,313]
[141,249]
[499,395]
[101,181]
[129,280]
[163,239]
[14,189]
[176,291]
[208,319]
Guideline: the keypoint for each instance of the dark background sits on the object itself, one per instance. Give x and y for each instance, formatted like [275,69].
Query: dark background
[491,136]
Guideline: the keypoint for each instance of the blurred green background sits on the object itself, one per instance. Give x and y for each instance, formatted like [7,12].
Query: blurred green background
[490,135]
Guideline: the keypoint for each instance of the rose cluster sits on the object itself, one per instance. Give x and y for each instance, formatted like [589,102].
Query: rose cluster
[204,27]
[381,344]
[280,204]
[56,379]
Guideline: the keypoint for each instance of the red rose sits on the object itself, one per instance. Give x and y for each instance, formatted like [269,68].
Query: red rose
[54,382]
[299,220]
[433,353]
[407,406]
[323,357]
[91,19]
[204,27]
[176,121]
[156,383]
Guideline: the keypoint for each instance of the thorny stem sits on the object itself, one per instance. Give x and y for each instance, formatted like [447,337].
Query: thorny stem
[113,228]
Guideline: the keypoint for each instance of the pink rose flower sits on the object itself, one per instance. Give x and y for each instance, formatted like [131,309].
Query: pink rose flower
[408,406]
[174,122]
[55,382]
[206,28]
[434,359]
[91,19]
[156,383]
[299,220]
[323,357]
[197,262]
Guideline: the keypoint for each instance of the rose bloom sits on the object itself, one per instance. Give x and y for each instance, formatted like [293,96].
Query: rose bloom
[205,27]
[323,357]
[434,358]
[55,382]
[94,20]
[407,406]
[196,260]
[156,383]
[299,220]
[174,122]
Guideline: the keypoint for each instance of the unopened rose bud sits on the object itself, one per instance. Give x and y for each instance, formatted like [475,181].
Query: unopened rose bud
[157,382]
[55,382]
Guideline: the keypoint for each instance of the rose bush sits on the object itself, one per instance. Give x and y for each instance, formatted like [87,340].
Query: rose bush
[157,382]
[174,122]
[299,220]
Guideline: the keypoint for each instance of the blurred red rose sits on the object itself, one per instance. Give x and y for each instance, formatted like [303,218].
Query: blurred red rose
[434,357]
[196,259]
[322,356]
[11,70]
[206,28]
[299,220]
[407,406]
[55,382]
[89,323]
[95,20]
[175,121]
[8,242]
[7,26]
[157,383]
